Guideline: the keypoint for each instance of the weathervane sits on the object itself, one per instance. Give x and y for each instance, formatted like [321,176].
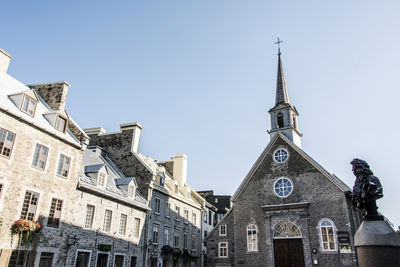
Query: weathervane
[278,43]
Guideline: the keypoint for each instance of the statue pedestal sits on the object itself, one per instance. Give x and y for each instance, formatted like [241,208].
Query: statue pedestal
[377,245]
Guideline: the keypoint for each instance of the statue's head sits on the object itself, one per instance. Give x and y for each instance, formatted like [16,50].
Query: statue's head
[360,167]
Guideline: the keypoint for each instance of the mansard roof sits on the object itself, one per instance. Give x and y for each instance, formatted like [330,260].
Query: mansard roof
[10,87]
[334,179]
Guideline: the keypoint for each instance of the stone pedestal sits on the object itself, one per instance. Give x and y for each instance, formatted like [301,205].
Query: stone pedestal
[377,245]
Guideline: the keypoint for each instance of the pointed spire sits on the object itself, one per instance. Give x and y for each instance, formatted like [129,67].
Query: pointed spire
[282,95]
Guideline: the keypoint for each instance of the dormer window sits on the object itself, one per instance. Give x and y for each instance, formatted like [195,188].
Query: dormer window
[131,191]
[60,124]
[28,105]
[176,189]
[101,180]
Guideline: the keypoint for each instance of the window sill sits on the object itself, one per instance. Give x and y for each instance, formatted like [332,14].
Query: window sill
[329,252]
[252,252]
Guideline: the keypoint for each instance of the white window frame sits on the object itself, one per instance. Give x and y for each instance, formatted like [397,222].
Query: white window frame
[64,178]
[103,252]
[12,145]
[222,233]
[177,213]
[155,226]
[84,218]
[157,205]
[186,212]
[61,215]
[255,245]
[321,238]
[168,209]
[284,149]
[33,156]
[167,229]
[83,250]
[119,254]
[137,222]
[111,221]
[126,224]
[281,178]
[219,249]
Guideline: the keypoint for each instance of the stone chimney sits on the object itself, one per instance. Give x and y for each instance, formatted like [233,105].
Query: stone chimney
[55,94]
[137,130]
[4,61]
[180,168]
[95,131]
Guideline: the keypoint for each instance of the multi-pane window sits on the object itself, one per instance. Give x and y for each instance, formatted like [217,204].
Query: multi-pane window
[89,216]
[61,124]
[166,236]
[205,216]
[122,224]
[193,242]
[131,191]
[223,249]
[107,221]
[82,259]
[177,212]
[40,157]
[46,259]
[252,238]
[101,179]
[55,213]
[6,142]
[63,165]
[176,238]
[222,230]
[185,240]
[136,228]
[194,218]
[29,105]
[155,234]
[283,187]
[30,205]
[186,214]
[119,261]
[168,209]
[157,204]
[327,235]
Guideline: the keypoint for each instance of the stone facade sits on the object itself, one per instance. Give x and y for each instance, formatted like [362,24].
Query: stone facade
[176,207]
[288,211]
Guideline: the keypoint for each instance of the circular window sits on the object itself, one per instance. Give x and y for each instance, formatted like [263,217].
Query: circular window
[283,187]
[281,155]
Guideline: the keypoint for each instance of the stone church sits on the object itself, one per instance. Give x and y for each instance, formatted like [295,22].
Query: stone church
[289,210]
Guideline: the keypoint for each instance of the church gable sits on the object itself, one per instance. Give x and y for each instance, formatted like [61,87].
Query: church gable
[285,174]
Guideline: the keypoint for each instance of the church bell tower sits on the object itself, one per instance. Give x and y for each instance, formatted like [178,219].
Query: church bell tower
[283,114]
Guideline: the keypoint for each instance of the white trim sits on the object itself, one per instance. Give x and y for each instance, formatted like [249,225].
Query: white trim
[126,223]
[37,169]
[276,150]
[103,252]
[22,198]
[62,178]
[219,250]
[319,229]
[51,196]
[291,182]
[247,238]
[219,229]
[83,250]
[111,222]
[119,254]
[159,206]
[85,212]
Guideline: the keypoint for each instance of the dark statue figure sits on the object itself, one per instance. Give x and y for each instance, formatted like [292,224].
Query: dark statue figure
[366,190]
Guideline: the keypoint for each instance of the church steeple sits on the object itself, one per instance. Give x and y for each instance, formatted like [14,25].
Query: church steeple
[283,114]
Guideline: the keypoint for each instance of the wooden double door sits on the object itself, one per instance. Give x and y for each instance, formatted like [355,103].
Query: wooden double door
[288,252]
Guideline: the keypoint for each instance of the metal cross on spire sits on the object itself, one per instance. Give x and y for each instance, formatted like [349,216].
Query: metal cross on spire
[278,43]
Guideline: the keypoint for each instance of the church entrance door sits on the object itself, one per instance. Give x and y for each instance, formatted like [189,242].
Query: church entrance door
[288,252]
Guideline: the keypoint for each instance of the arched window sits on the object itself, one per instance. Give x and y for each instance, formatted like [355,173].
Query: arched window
[287,230]
[252,238]
[279,120]
[327,235]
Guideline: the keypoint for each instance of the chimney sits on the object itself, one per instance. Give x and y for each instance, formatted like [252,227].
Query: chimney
[95,131]
[4,61]
[180,168]
[55,94]
[137,129]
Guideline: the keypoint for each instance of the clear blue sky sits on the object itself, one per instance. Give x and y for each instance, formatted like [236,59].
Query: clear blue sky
[200,77]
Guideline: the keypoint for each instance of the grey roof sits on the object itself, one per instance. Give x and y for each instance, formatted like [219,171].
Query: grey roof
[282,95]
[92,162]
[124,181]
[93,168]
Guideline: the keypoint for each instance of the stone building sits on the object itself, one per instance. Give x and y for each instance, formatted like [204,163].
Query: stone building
[173,236]
[112,216]
[207,224]
[289,210]
[223,203]
[41,150]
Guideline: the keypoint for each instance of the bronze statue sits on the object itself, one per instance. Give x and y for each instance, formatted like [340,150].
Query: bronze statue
[366,190]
